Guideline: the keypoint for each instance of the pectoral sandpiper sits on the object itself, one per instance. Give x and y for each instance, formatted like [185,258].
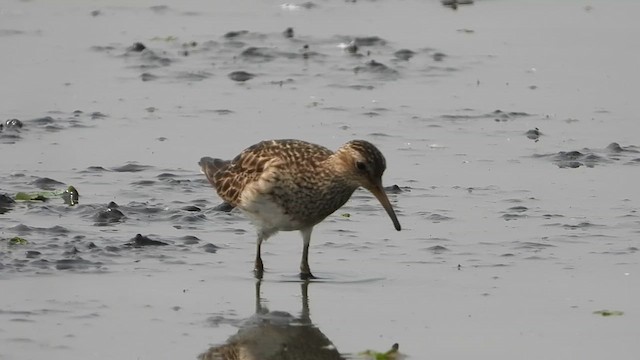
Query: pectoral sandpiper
[294,185]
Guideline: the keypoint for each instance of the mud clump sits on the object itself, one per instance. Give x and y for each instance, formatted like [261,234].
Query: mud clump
[140,241]
[240,76]
[110,215]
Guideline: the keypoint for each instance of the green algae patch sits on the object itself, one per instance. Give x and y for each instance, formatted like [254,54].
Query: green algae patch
[22,196]
[392,354]
[70,195]
[16,240]
[607,313]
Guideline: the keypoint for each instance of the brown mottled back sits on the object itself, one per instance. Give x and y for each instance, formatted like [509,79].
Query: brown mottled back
[232,177]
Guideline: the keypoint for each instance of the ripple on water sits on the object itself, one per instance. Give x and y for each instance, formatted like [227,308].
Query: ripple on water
[76,263]
[256,49]
[369,41]
[131,167]
[14,130]
[379,69]
[497,115]
[437,249]
[531,245]
[188,218]
[611,154]
[94,169]
[437,218]
[46,183]
[190,240]
[580,226]
[25,229]
[343,277]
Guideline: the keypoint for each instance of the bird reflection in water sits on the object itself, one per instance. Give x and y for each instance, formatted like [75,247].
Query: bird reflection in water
[271,335]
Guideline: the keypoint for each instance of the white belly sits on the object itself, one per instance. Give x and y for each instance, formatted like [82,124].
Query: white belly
[267,215]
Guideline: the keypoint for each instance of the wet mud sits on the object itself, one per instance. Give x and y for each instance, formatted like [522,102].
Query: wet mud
[512,163]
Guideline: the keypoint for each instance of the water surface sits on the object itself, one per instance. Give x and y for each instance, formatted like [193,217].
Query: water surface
[510,129]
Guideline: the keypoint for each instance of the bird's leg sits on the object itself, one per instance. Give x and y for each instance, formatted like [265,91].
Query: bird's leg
[305,271]
[258,268]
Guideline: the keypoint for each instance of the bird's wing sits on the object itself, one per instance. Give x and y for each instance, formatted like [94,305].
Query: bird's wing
[230,178]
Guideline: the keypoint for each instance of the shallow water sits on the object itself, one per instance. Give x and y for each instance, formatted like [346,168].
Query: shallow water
[510,128]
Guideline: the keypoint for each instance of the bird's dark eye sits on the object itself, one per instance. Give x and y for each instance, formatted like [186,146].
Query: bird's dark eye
[361,166]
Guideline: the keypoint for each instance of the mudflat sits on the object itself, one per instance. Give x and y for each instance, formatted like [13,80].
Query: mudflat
[511,138]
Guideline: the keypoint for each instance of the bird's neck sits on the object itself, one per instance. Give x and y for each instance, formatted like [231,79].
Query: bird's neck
[340,162]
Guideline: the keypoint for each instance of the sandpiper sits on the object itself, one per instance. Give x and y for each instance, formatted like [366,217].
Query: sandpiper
[286,185]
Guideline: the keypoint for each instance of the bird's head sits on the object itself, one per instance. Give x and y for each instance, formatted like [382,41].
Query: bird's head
[363,165]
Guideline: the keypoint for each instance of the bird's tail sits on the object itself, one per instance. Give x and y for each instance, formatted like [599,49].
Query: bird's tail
[210,166]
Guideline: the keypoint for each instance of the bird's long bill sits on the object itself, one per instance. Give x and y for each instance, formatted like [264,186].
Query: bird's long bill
[379,193]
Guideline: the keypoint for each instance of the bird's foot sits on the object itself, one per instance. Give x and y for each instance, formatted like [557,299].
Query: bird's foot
[258,273]
[307,276]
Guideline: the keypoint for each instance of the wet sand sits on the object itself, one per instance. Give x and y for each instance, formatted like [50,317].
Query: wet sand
[510,129]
